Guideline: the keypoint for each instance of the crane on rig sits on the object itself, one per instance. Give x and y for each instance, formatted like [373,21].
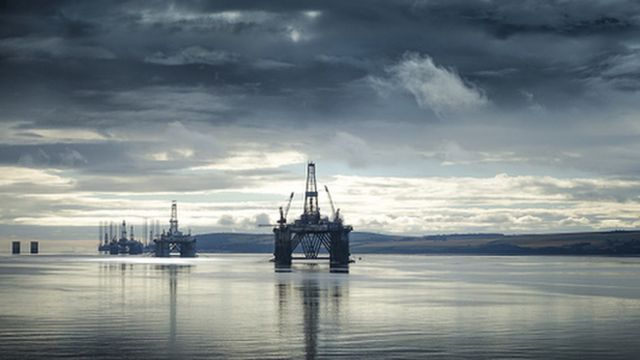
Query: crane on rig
[283,214]
[334,213]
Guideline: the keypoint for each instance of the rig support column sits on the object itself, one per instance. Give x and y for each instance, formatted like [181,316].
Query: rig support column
[15,247]
[188,249]
[283,250]
[114,248]
[34,247]
[163,249]
[339,251]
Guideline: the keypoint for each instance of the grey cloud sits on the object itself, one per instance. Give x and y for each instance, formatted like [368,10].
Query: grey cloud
[226,220]
[620,71]
[433,87]
[262,218]
[50,47]
[158,182]
[506,18]
[154,89]
[268,64]
[354,150]
[249,224]
[192,55]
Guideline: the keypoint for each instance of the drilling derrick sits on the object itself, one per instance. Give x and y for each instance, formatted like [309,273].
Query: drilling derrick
[123,240]
[312,232]
[103,246]
[311,213]
[173,222]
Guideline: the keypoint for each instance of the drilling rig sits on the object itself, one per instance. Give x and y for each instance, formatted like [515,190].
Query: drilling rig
[175,240]
[311,232]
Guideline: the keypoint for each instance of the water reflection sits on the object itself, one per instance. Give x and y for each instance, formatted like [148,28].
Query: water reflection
[173,303]
[235,307]
[307,302]
[173,272]
[142,276]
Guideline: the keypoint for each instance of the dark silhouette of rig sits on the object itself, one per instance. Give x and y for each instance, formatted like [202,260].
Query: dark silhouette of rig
[312,231]
[114,245]
[175,240]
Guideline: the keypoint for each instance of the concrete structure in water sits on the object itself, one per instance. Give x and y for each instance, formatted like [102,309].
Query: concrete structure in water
[312,231]
[34,247]
[175,240]
[15,247]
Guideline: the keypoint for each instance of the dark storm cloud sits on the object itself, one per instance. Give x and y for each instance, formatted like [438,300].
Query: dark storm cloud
[452,115]
[225,43]
[133,68]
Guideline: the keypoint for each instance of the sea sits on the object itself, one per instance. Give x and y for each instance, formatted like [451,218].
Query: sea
[235,306]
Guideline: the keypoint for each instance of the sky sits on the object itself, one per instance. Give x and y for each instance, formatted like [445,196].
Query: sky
[423,117]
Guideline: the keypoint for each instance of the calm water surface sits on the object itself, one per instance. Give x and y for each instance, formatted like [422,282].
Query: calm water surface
[235,306]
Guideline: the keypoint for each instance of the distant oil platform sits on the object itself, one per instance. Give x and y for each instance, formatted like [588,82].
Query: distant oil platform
[115,240]
[175,240]
[124,243]
[312,231]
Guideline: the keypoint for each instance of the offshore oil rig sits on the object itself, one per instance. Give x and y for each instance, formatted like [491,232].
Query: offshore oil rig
[175,240]
[312,232]
[152,241]
[123,244]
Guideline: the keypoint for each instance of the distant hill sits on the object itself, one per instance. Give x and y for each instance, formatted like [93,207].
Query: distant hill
[235,243]
[586,243]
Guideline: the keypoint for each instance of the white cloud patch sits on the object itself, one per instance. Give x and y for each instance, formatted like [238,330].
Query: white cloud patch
[12,133]
[175,15]
[502,203]
[293,27]
[250,160]
[511,204]
[296,34]
[351,148]
[312,14]
[251,223]
[12,175]
[434,87]
[452,153]
[226,220]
